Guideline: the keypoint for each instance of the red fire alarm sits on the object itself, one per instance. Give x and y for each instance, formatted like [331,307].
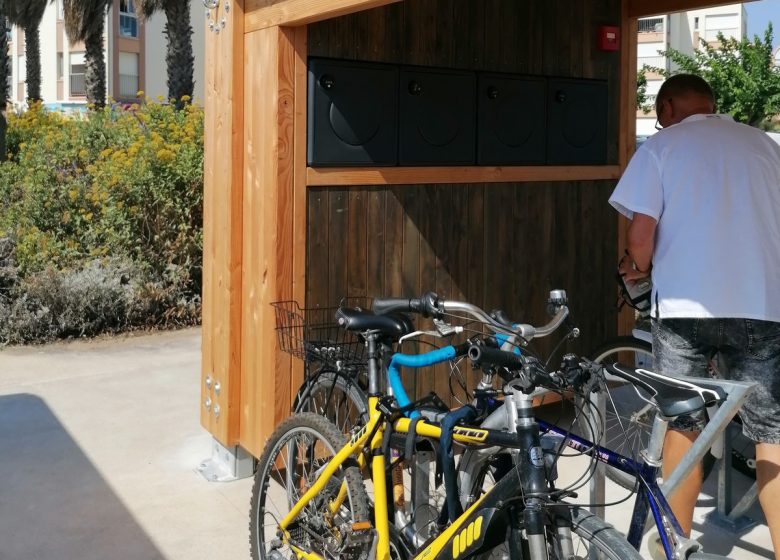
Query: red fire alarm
[609,38]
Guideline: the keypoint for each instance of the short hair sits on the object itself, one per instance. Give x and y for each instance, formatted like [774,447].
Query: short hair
[683,84]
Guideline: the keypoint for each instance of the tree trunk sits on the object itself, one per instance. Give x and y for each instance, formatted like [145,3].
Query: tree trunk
[179,56]
[32,41]
[5,71]
[95,66]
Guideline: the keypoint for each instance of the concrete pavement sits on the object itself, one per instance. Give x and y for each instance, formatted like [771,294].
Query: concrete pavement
[99,445]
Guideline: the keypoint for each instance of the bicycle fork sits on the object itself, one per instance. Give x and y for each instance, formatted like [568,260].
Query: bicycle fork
[530,462]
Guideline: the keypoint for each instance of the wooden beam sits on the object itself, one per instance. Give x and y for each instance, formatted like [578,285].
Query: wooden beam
[269,92]
[340,176]
[645,8]
[223,183]
[299,187]
[261,14]
[626,134]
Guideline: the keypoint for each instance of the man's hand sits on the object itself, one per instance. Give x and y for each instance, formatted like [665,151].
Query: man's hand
[628,270]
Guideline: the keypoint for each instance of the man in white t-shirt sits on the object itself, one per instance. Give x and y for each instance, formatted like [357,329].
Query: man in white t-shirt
[703,197]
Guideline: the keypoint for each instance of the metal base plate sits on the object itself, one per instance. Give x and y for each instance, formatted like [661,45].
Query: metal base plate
[737,525]
[227,464]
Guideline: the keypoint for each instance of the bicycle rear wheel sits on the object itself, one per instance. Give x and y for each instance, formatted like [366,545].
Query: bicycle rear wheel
[338,396]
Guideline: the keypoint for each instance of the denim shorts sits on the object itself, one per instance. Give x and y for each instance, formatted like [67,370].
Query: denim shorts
[748,349]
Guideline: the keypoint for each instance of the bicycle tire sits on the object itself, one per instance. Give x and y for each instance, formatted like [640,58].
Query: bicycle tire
[628,419]
[335,395]
[262,544]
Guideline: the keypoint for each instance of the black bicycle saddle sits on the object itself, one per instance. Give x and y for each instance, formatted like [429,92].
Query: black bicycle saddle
[674,397]
[392,326]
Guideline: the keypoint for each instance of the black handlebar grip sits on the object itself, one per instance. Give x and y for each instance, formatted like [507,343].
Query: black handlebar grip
[427,305]
[481,355]
[383,306]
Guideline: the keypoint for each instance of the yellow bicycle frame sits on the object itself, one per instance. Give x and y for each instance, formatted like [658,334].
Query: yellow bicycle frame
[381,521]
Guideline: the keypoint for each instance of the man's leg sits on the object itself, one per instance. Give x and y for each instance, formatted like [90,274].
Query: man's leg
[683,500]
[768,478]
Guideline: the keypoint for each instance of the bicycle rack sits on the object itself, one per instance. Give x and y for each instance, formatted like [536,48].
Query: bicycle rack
[725,515]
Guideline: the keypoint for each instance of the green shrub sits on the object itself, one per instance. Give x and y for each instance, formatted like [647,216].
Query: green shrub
[114,185]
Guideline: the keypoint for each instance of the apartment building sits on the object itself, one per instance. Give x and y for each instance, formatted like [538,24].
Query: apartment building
[134,54]
[681,31]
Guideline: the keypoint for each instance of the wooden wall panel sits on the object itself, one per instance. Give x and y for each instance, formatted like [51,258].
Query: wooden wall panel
[222,199]
[267,274]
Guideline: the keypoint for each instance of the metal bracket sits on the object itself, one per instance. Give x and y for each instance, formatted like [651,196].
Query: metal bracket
[227,463]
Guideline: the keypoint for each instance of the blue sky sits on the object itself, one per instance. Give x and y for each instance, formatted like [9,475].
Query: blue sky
[761,12]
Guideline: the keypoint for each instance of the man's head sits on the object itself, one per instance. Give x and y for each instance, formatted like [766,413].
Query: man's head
[681,96]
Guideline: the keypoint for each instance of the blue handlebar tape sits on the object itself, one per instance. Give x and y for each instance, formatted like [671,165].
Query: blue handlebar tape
[501,338]
[413,361]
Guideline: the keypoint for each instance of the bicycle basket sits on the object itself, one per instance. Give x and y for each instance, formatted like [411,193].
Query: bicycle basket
[313,335]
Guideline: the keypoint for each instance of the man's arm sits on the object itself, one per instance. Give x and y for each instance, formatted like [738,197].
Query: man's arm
[641,242]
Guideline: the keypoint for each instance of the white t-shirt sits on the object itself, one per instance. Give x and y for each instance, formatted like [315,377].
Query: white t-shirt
[714,187]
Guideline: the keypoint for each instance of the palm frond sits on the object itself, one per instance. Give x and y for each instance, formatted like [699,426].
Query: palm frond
[81,17]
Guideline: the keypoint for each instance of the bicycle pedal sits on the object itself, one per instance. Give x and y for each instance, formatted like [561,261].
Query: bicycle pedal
[359,543]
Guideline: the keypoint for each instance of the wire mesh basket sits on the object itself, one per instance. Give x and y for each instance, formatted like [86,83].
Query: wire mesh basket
[313,335]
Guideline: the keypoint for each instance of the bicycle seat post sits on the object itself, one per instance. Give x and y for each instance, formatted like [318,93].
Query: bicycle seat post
[373,359]
[652,454]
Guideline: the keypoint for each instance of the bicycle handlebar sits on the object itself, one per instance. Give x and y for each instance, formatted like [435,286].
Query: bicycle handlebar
[430,305]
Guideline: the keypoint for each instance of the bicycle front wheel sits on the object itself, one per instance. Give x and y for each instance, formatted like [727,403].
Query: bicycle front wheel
[589,537]
[295,455]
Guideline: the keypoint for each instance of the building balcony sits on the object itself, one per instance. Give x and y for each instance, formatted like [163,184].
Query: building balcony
[651,25]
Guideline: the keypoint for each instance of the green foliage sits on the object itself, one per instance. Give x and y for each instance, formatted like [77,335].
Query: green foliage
[641,90]
[741,72]
[107,185]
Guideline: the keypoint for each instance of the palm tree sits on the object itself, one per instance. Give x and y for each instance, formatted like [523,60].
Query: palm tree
[85,21]
[5,72]
[28,14]
[179,32]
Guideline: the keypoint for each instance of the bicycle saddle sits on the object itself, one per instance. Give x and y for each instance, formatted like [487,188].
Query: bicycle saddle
[673,396]
[393,326]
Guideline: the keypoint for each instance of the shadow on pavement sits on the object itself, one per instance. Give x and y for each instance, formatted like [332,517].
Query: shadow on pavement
[53,502]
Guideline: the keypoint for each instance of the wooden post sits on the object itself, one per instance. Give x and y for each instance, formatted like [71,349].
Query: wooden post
[222,199]
[267,273]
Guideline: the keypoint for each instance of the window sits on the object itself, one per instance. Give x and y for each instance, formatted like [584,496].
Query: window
[696,23]
[728,24]
[78,86]
[60,10]
[128,20]
[128,74]
[60,65]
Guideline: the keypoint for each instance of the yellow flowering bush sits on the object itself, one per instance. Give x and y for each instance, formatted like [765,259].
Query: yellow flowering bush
[117,183]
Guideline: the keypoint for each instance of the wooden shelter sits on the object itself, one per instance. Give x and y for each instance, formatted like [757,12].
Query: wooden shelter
[499,236]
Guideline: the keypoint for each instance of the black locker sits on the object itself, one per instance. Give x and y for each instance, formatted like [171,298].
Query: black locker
[437,117]
[511,120]
[353,113]
[576,122]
